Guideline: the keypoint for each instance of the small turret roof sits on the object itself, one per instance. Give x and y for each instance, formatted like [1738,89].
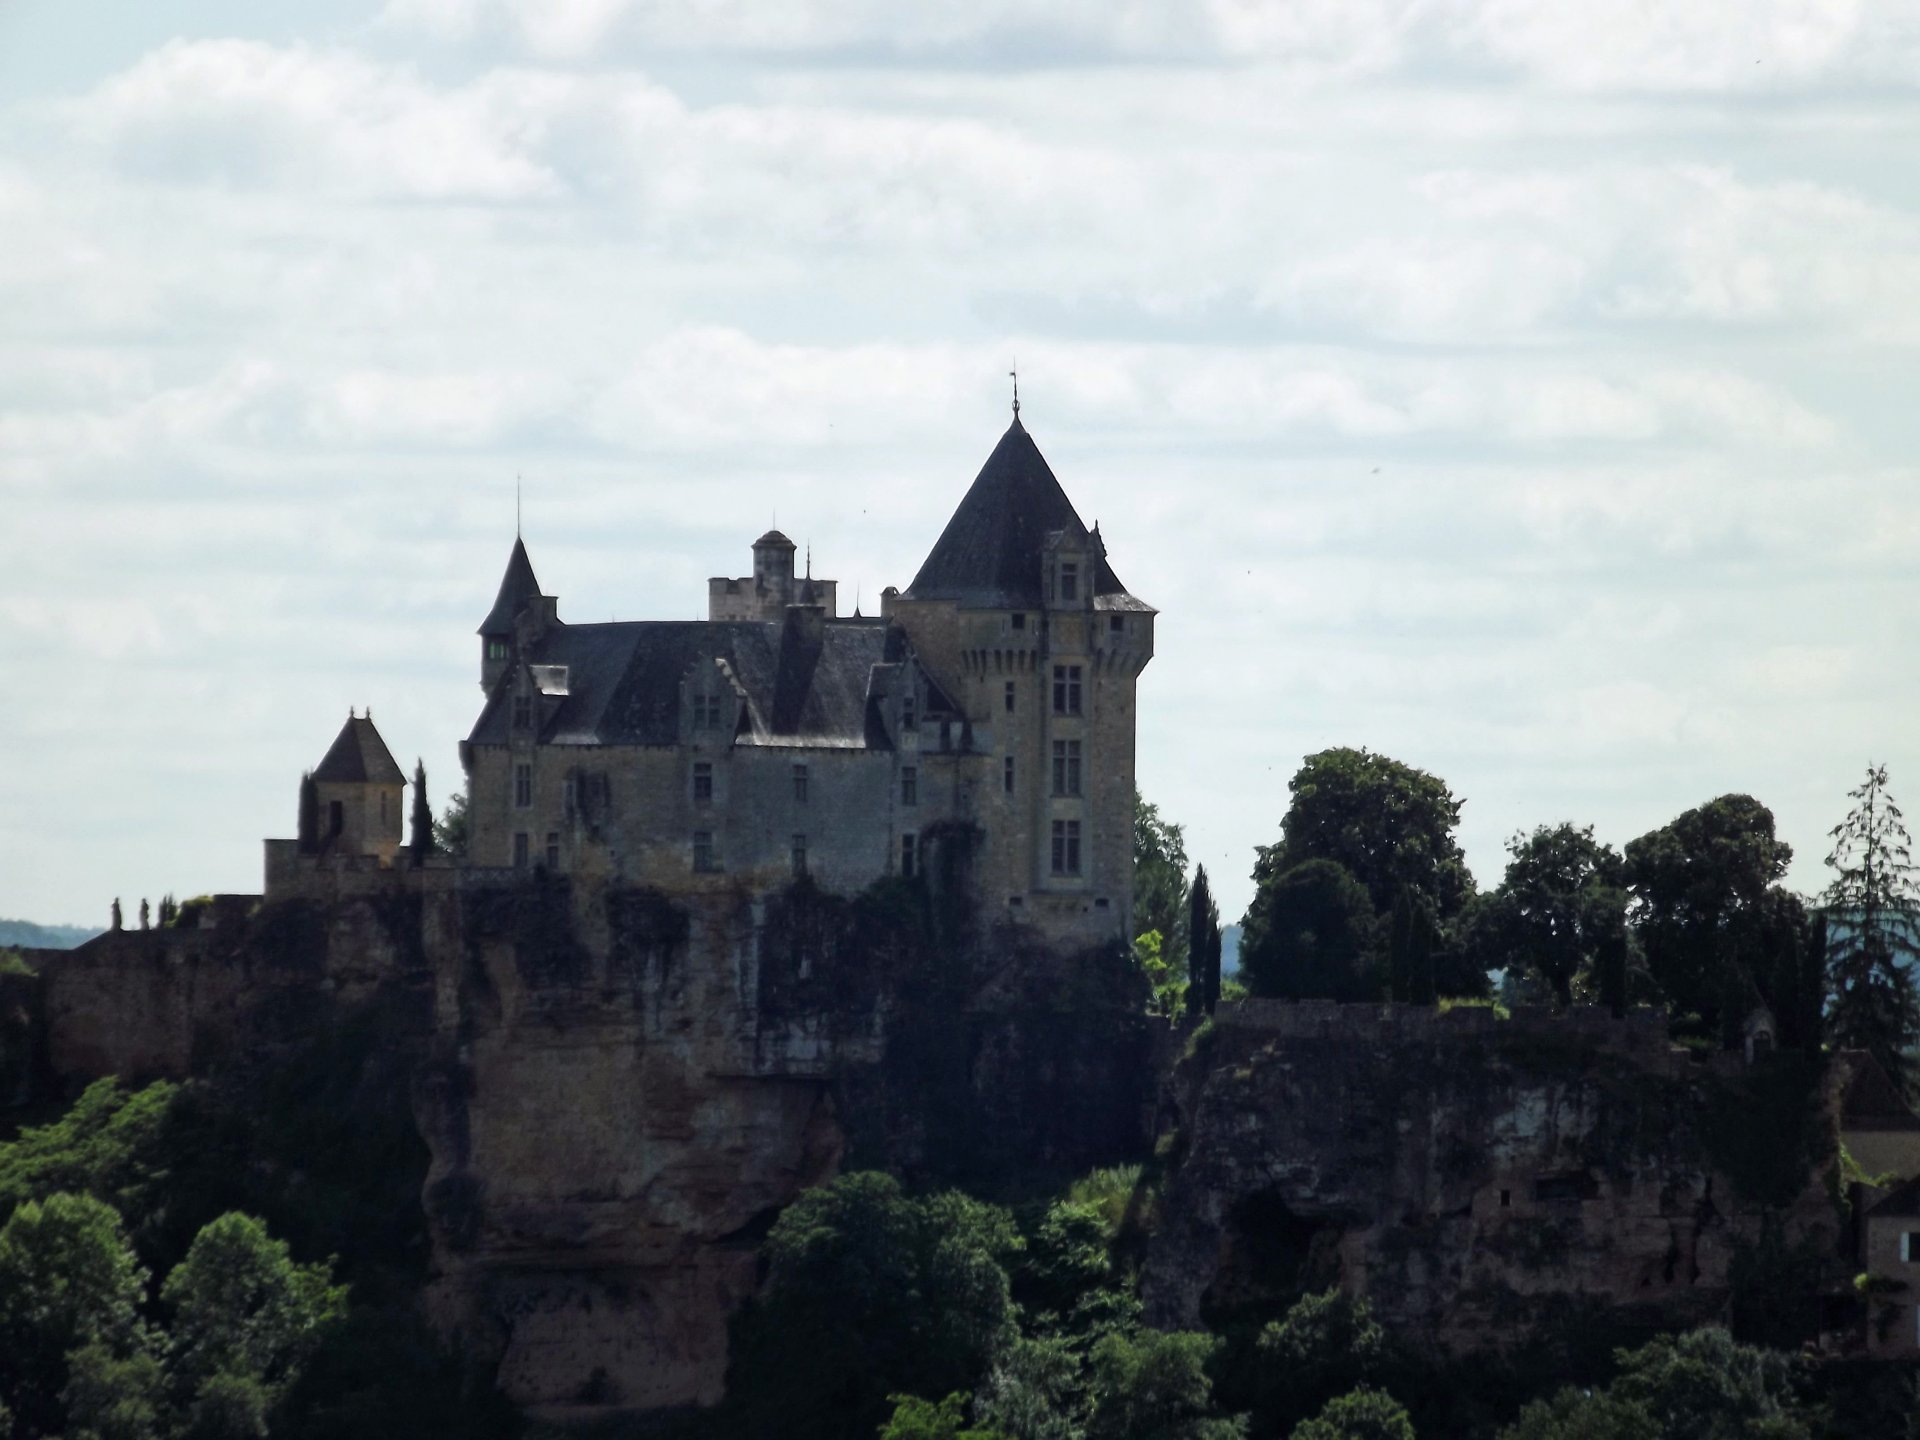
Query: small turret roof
[359,756]
[990,552]
[775,539]
[517,587]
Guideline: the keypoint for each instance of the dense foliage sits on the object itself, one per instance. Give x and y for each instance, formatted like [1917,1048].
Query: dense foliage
[1160,881]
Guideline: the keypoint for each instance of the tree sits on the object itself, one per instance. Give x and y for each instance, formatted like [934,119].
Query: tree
[1583,1415]
[1150,1385]
[917,1419]
[1410,951]
[110,1396]
[1160,881]
[1364,1414]
[1703,1385]
[1557,909]
[1203,947]
[244,1314]
[1326,1345]
[1386,823]
[68,1280]
[450,831]
[1870,908]
[1700,888]
[1169,988]
[1309,936]
[869,1293]
[420,841]
[309,822]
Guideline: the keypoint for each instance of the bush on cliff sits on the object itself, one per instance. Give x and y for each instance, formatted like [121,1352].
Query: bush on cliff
[1362,1414]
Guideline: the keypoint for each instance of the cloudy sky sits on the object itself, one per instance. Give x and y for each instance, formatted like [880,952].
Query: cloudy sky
[1524,388]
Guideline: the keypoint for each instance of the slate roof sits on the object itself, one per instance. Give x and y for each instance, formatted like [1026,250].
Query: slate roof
[517,587]
[1870,1100]
[989,554]
[358,755]
[775,539]
[1902,1201]
[626,681]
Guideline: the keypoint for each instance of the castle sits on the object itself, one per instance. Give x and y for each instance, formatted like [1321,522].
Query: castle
[990,705]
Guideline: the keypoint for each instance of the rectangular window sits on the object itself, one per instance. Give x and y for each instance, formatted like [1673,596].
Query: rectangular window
[1066,767]
[1066,847]
[703,860]
[1116,623]
[1006,777]
[520,850]
[909,855]
[1066,689]
[522,786]
[702,782]
[1910,1246]
[496,649]
[1009,697]
[522,711]
[1069,581]
[553,850]
[1019,620]
[906,713]
[706,712]
[799,854]
[909,785]
[800,784]
[336,817]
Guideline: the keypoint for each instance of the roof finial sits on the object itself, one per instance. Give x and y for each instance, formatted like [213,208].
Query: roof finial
[516,504]
[809,559]
[1015,373]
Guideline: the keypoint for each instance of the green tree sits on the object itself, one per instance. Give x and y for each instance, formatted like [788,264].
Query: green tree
[1385,822]
[420,841]
[1324,1346]
[1203,946]
[1168,987]
[1559,907]
[111,1144]
[111,1396]
[1703,1385]
[1363,1414]
[1410,950]
[871,1292]
[1583,1415]
[1702,887]
[1149,1385]
[1035,1391]
[1871,907]
[68,1280]
[917,1419]
[309,821]
[1309,936]
[1160,881]
[244,1314]
[451,829]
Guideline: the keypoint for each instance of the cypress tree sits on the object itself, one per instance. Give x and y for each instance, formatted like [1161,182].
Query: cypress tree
[1201,923]
[118,921]
[1872,945]
[309,831]
[1213,959]
[421,840]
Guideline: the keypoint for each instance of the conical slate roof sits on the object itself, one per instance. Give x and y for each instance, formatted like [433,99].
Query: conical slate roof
[989,554]
[517,587]
[359,755]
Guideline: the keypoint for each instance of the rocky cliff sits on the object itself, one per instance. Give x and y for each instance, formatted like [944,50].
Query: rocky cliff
[620,1091]
[1482,1181]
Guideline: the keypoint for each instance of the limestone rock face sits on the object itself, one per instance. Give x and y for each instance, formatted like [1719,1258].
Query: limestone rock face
[1477,1179]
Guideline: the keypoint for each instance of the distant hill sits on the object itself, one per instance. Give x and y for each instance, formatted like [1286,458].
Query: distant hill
[29,936]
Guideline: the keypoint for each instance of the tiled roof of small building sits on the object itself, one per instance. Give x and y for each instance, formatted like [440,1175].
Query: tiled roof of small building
[359,756]
[1904,1200]
[517,587]
[626,681]
[990,553]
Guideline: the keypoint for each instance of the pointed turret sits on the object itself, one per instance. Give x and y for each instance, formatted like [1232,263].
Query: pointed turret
[993,552]
[518,590]
[357,793]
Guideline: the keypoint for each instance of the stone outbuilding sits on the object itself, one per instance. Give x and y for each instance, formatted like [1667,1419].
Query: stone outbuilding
[1892,1254]
[1877,1125]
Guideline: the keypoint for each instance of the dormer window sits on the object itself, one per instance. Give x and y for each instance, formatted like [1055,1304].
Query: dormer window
[522,711]
[1069,588]
[496,649]
[906,712]
[706,712]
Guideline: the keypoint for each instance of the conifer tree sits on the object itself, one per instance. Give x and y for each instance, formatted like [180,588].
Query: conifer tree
[309,831]
[421,840]
[1870,908]
[118,921]
[1203,951]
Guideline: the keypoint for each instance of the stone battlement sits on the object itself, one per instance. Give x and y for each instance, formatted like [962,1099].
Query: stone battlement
[1639,1032]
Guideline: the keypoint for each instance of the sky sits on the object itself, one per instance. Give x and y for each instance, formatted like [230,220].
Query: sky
[1525,389]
